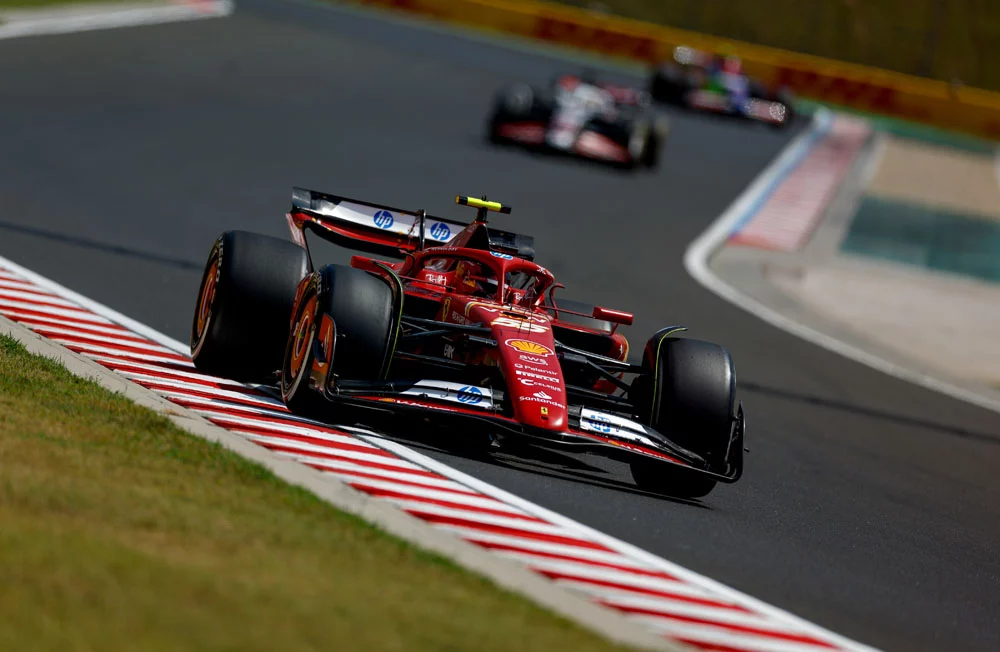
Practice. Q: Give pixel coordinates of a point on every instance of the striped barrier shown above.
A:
(669, 600)
(858, 87)
(788, 214)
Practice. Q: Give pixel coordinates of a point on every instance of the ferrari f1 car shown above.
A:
(581, 117)
(466, 331)
(700, 81)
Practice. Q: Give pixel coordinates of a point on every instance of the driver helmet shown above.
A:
(469, 278)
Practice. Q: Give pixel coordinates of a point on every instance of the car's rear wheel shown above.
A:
(345, 326)
(244, 305)
(687, 393)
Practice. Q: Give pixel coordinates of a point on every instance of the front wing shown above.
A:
(590, 430)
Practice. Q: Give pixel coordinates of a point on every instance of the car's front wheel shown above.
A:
(687, 393)
(345, 326)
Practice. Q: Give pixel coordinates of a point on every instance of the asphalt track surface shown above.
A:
(869, 505)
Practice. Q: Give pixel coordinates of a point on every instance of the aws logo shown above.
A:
(532, 348)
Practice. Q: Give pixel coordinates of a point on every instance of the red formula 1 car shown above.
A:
(466, 330)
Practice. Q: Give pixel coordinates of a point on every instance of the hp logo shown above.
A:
(384, 220)
(470, 395)
(440, 231)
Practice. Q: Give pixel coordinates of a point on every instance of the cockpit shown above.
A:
(522, 284)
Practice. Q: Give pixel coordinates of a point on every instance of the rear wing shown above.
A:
(385, 230)
(364, 225)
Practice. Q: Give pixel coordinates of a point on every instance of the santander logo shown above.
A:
(542, 394)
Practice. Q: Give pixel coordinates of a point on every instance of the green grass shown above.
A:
(118, 531)
(941, 39)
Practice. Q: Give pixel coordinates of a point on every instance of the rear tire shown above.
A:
(244, 305)
(688, 394)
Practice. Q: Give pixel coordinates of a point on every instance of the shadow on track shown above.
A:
(510, 455)
(862, 410)
(85, 243)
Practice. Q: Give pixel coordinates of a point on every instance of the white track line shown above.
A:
(84, 19)
(697, 255)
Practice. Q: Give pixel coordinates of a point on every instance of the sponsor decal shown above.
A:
(528, 382)
(532, 359)
(437, 390)
(527, 346)
(537, 370)
(470, 395)
(519, 324)
(613, 426)
(529, 374)
(541, 394)
(602, 424)
(439, 279)
(383, 219)
(547, 401)
(449, 351)
(497, 254)
(440, 231)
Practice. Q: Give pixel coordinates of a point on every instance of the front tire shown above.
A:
(345, 326)
(687, 393)
(244, 304)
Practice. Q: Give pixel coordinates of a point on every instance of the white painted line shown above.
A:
(699, 252)
(83, 19)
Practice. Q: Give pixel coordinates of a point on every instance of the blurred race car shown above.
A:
(716, 83)
(466, 331)
(582, 117)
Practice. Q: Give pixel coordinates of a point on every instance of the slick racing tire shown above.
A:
(651, 152)
(688, 394)
(345, 325)
(669, 84)
(240, 323)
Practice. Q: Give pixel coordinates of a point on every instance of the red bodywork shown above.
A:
(521, 319)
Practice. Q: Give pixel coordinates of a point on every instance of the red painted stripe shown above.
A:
(171, 373)
(656, 593)
(441, 519)
(110, 360)
(409, 483)
(331, 446)
(29, 317)
(160, 387)
(51, 331)
(21, 314)
(730, 627)
(578, 560)
(278, 421)
(77, 345)
(61, 306)
(388, 493)
(116, 363)
(69, 340)
(332, 455)
(27, 287)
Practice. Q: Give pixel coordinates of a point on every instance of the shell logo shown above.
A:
(534, 348)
